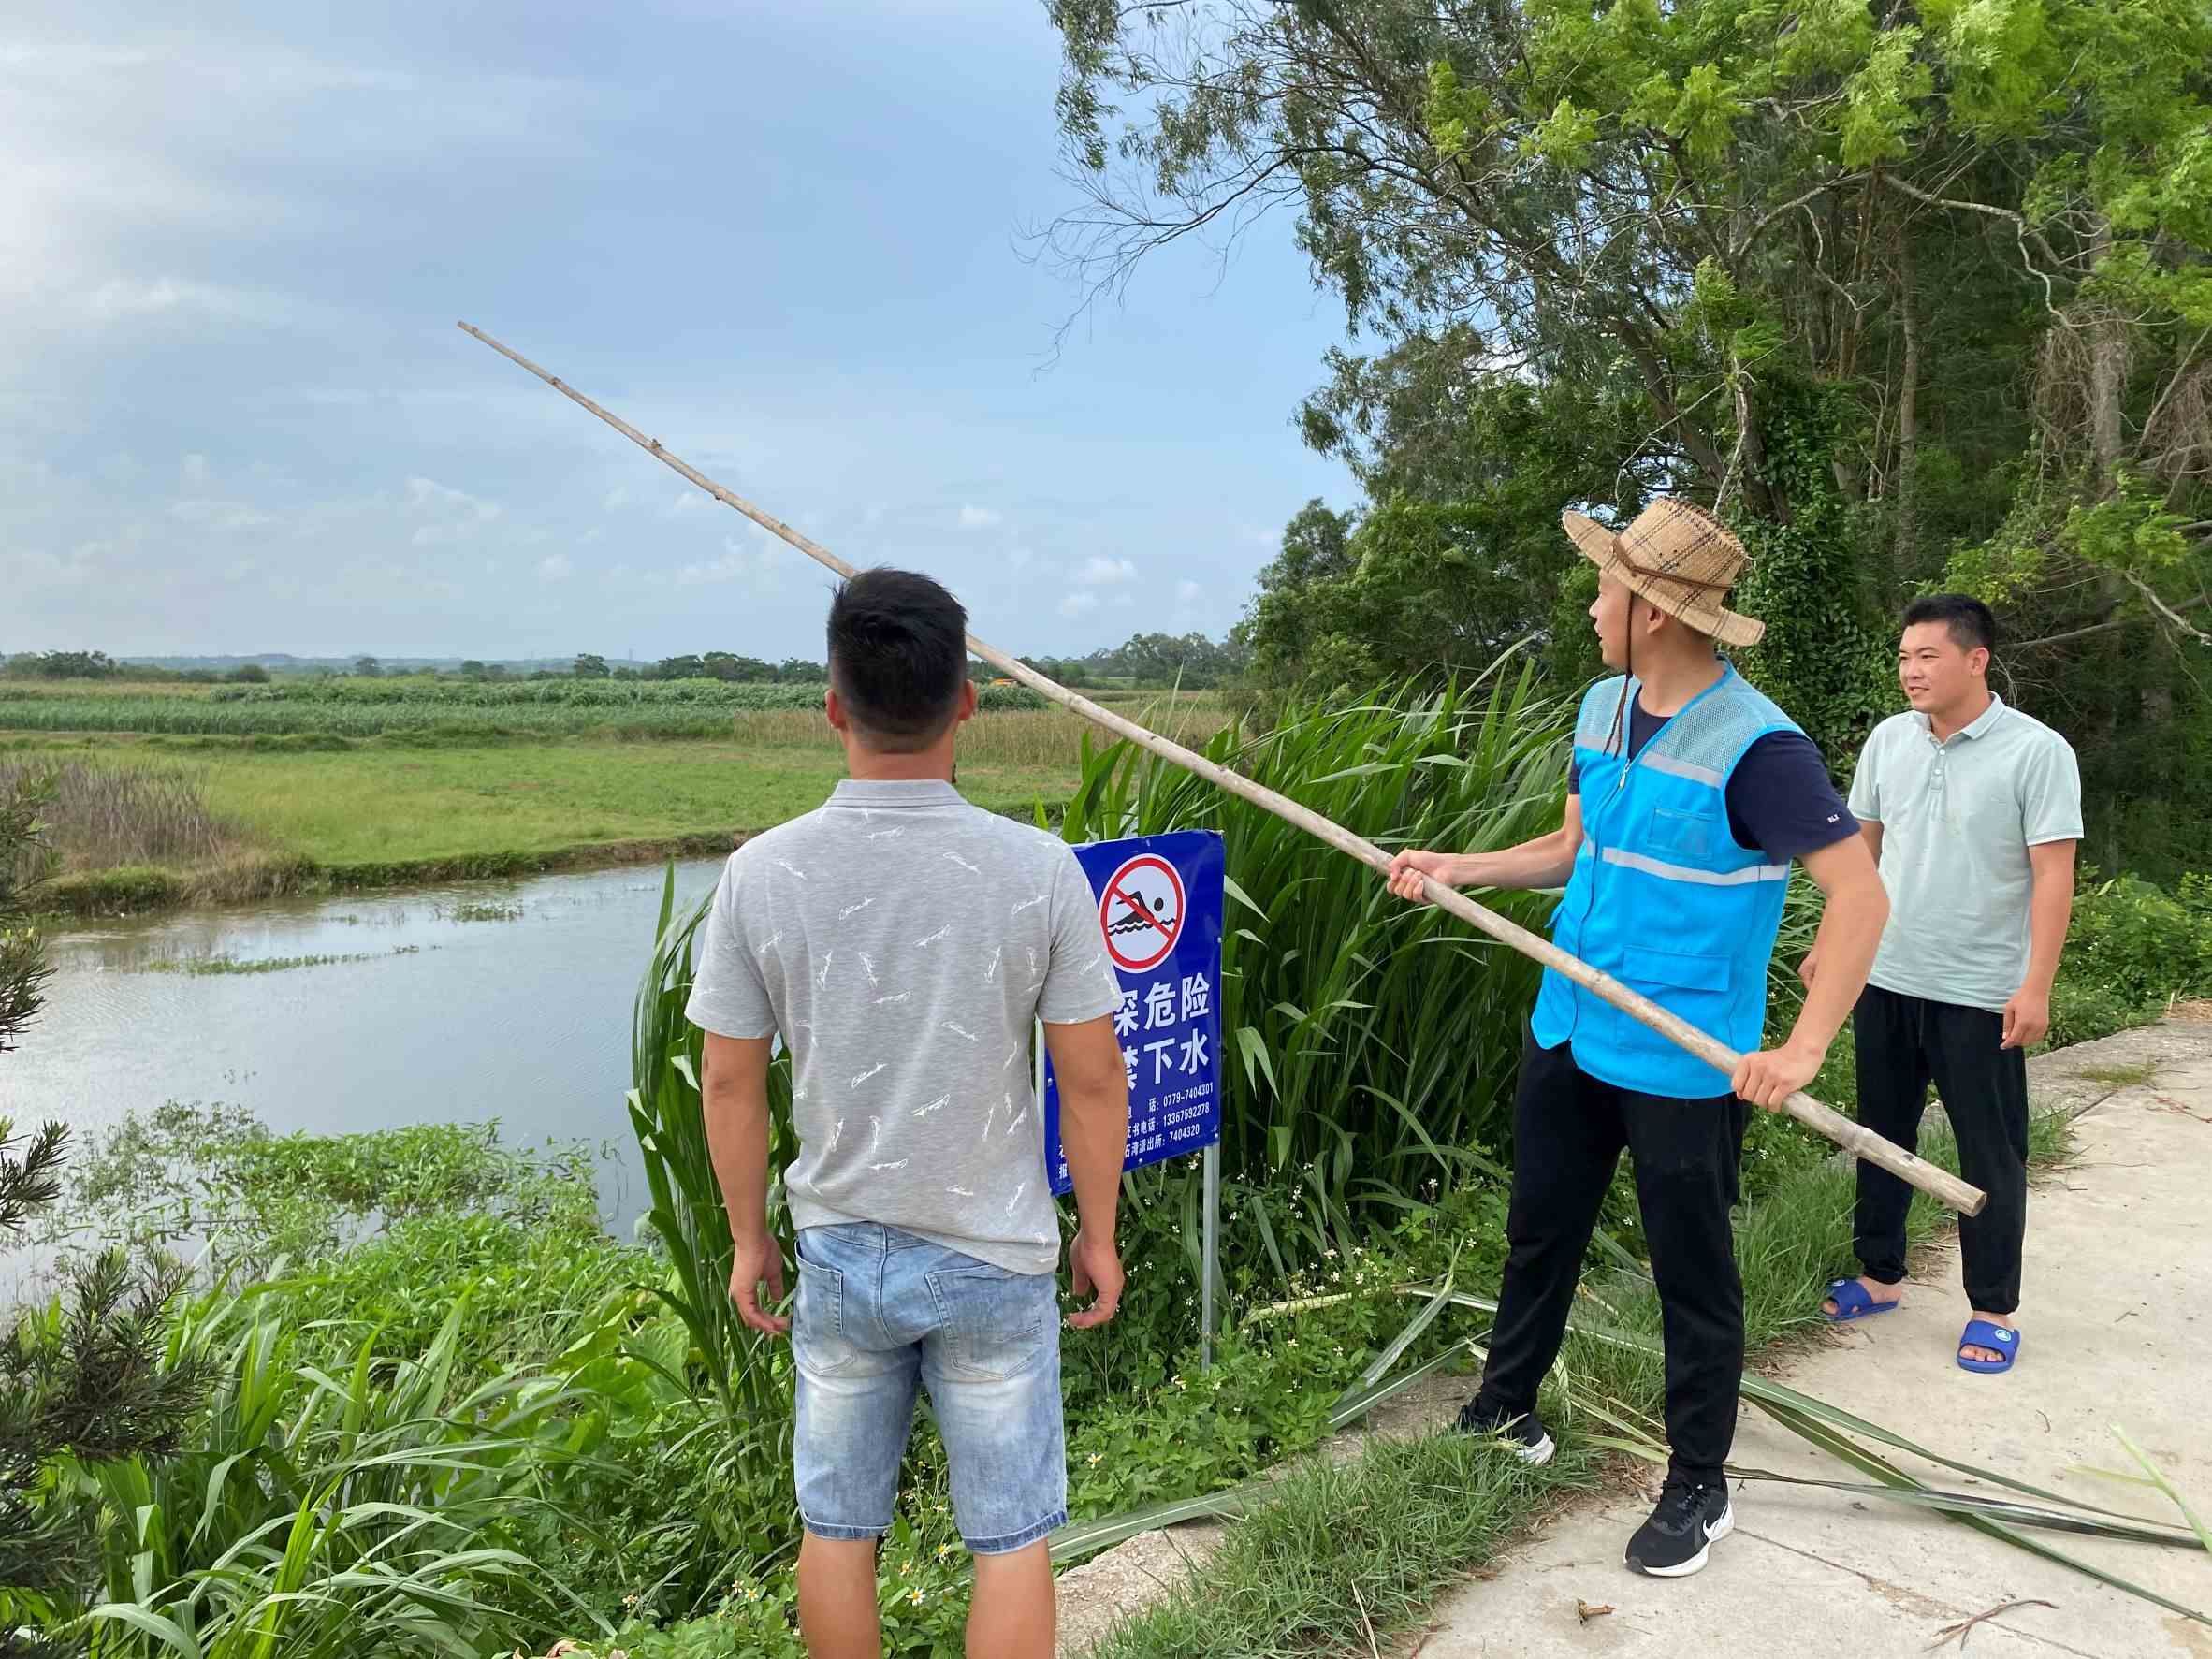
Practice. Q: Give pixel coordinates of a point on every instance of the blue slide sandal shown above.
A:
(1981, 1333)
(1853, 1303)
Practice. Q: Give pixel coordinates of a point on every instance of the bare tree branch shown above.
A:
(2166, 610)
(2018, 221)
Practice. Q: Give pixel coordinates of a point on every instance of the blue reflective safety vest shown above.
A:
(1662, 897)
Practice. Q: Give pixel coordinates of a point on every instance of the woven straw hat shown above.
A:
(1678, 559)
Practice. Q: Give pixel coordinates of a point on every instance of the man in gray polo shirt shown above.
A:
(1973, 811)
(900, 942)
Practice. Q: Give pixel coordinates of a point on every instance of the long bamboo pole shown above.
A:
(1854, 1138)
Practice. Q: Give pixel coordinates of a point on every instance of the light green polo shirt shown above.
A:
(1957, 819)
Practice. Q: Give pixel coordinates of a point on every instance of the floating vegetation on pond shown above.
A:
(205, 965)
(480, 911)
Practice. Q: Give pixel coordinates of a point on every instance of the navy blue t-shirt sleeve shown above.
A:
(1782, 801)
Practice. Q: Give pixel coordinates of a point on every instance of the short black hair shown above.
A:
(1970, 623)
(897, 656)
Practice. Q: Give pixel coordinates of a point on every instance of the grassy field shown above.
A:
(195, 794)
(357, 708)
(374, 815)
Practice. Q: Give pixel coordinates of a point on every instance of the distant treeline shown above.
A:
(1147, 661)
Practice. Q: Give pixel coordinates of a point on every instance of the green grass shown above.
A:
(377, 805)
(387, 813)
(2122, 1076)
(1348, 1553)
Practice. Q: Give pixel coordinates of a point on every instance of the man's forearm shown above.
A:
(737, 1139)
(1095, 1135)
(2050, 912)
(1547, 861)
(1850, 934)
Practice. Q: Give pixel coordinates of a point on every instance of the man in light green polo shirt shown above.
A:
(1973, 811)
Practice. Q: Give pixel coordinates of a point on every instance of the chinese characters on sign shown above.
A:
(1159, 912)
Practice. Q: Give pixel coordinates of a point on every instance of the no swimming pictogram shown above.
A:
(1141, 912)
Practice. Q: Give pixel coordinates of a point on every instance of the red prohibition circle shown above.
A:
(1141, 912)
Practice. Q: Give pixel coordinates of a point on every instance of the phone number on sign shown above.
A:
(1193, 1097)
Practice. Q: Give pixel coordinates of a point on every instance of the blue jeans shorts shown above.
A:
(880, 1310)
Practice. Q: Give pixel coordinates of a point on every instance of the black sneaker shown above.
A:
(1521, 1432)
(1690, 1518)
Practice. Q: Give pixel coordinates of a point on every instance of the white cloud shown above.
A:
(194, 472)
(554, 567)
(689, 501)
(454, 516)
(1187, 592)
(220, 514)
(427, 495)
(1101, 571)
(126, 299)
(755, 566)
(617, 497)
(981, 518)
(1020, 559)
(1078, 604)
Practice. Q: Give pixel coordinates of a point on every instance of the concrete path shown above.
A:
(2116, 1331)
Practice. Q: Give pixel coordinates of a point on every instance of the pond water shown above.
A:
(465, 1003)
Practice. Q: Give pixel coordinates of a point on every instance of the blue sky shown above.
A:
(235, 415)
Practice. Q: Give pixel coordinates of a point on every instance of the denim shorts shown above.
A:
(880, 1310)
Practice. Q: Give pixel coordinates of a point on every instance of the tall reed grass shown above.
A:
(750, 1374)
(1044, 737)
(320, 1514)
(100, 817)
(1370, 1045)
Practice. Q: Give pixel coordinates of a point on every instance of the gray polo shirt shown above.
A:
(901, 941)
(1957, 818)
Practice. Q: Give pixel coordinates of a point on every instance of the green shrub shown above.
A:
(2138, 944)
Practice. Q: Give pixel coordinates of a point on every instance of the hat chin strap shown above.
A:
(1622, 731)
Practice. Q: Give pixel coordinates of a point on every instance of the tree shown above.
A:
(248, 673)
(1912, 297)
(727, 666)
(23, 862)
(83, 1380)
(64, 666)
(368, 667)
(678, 668)
(589, 665)
(472, 669)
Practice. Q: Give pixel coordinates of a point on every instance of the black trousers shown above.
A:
(1569, 1130)
(1903, 1042)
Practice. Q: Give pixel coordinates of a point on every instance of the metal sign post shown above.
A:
(1161, 902)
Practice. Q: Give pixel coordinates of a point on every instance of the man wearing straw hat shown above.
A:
(1690, 794)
